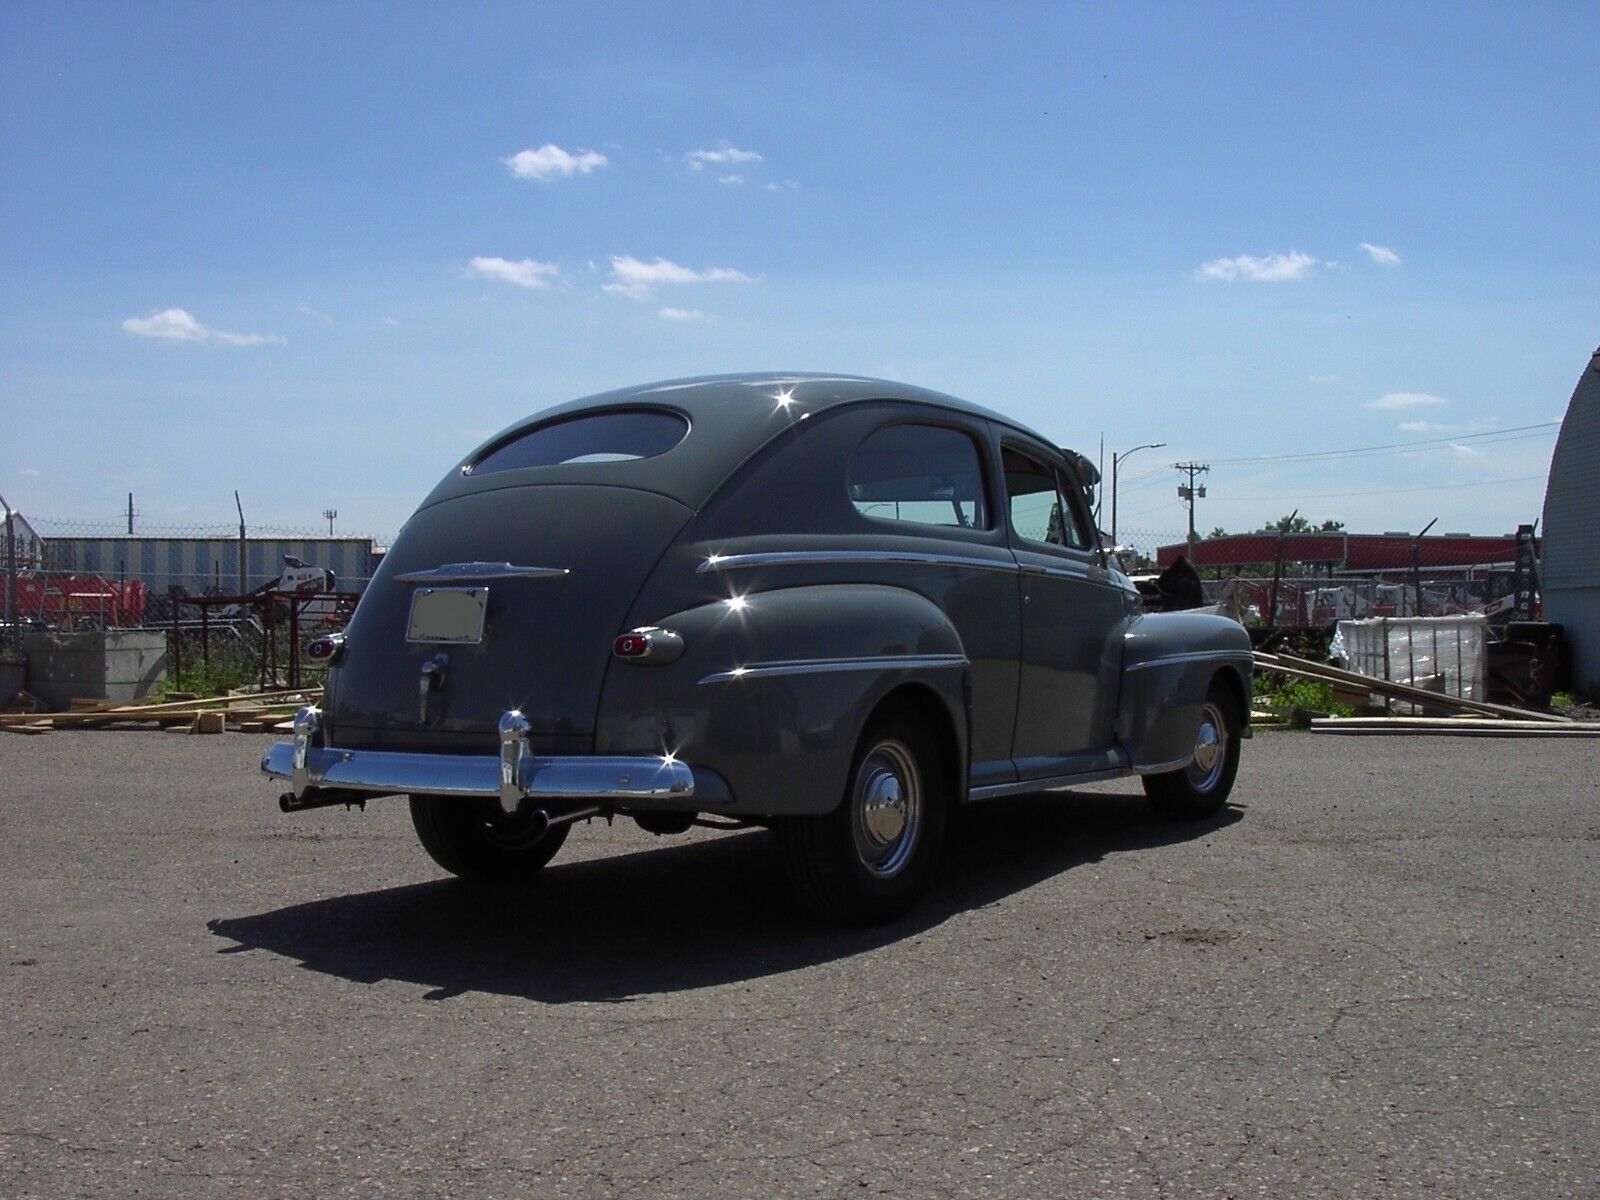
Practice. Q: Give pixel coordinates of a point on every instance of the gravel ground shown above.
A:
(1375, 975)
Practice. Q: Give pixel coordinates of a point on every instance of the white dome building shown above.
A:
(1570, 565)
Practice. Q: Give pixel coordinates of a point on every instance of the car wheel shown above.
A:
(873, 856)
(1201, 788)
(477, 839)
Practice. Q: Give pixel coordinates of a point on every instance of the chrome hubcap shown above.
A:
(1210, 749)
(886, 807)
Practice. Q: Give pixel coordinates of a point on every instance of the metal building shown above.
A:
(1570, 566)
(198, 563)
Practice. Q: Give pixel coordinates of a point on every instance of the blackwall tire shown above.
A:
(479, 840)
(873, 857)
(1200, 789)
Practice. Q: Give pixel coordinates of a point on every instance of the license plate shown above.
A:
(447, 614)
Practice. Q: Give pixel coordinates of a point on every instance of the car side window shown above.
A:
(926, 474)
(1039, 510)
(1074, 528)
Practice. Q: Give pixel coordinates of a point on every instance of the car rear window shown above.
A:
(589, 438)
(922, 473)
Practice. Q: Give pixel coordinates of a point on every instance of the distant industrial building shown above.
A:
(1363, 553)
(1570, 566)
(199, 564)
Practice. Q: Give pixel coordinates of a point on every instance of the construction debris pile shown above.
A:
(242, 712)
(1466, 716)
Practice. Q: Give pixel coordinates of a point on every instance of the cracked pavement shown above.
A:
(1375, 975)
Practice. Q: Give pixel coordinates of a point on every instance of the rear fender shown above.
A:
(773, 689)
(1168, 664)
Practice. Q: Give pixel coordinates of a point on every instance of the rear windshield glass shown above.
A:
(591, 438)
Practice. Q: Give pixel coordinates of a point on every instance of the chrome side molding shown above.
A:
(812, 558)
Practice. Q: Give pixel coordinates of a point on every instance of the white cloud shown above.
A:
(1425, 427)
(723, 156)
(552, 162)
(1381, 255)
(638, 279)
(682, 314)
(317, 313)
(390, 322)
(730, 178)
(177, 325)
(523, 272)
(1274, 268)
(1393, 400)
(788, 185)
(1461, 451)
(31, 472)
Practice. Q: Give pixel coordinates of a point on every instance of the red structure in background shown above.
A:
(63, 600)
(1365, 552)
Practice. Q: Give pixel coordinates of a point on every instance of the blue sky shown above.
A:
(317, 252)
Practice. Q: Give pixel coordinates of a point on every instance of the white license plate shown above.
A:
(447, 614)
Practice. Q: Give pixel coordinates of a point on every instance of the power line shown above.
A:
(1489, 436)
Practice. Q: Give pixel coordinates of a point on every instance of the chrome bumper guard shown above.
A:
(515, 774)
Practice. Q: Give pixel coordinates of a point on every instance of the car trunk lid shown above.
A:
(508, 598)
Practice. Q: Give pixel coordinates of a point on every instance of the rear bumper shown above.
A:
(512, 776)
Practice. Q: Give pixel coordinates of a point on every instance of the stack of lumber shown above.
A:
(1472, 718)
(252, 712)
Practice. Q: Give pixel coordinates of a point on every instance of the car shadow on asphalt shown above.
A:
(682, 916)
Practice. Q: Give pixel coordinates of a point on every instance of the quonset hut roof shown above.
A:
(1570, 565)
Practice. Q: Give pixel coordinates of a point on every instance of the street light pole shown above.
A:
(1116, 462)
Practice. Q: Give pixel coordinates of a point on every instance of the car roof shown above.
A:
(732, 416)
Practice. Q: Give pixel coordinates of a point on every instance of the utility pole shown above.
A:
(1116, 462)
(240, 506)
(13, 634)
(328, 515)
(1416, 565)
(1191, 494)
(130, 514)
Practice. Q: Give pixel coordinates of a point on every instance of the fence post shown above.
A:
(205, 634)
(13, 633)
(177, 643)
(294, 644)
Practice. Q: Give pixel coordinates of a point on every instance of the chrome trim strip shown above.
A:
(822, 666)
(567, 778)
(477, 572)
(1162, 768)
(1087, 574)
(1239, 656)
(1055, 783)
(915, 558)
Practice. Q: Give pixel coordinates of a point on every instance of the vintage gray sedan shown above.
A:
(831, 605)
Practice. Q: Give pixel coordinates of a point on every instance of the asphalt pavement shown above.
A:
(1374, 975)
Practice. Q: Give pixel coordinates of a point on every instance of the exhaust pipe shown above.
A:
(323, 798)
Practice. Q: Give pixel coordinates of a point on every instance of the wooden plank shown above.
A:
(1512, 729)
(1462, 722)
(1306, 669)
(30, 730)
(153, 712)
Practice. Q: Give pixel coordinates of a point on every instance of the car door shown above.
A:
(1072, 619)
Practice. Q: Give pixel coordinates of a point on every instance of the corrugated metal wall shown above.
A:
(196, 564)
(1570, 564)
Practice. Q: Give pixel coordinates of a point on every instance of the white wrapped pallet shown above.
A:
(1422, 651)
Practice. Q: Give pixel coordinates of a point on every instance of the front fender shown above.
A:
(1169, 661)
(773, 689)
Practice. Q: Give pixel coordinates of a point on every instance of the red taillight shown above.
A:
(631, 645)
(648, 644)
(325, 648)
